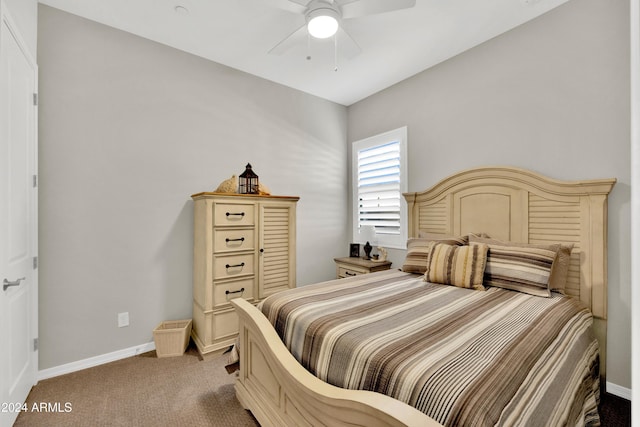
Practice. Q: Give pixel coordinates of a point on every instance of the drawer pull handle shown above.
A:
(241, 239)
(240, 291)
(236, 265)
(348, 273)
(234, 213)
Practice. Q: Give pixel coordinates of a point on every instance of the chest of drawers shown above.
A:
(244, 247)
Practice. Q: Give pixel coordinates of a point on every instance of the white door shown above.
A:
(18, 222)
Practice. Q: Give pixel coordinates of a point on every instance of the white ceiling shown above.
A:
(240, 33)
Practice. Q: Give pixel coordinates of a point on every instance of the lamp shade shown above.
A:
(322, 23)
(367, 233)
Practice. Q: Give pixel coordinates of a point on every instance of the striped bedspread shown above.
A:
(463, 357)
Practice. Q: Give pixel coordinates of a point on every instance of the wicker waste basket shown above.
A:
(172, 337)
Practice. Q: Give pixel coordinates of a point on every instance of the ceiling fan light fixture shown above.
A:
(322, 23)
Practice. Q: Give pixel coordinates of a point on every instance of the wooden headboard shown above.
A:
(522, 206)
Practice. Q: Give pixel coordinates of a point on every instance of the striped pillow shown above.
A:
(418, 250)
(522, 269)
(560, 267)
(445, 238)
(461, 266)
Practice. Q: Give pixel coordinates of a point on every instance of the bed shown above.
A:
(467, 354)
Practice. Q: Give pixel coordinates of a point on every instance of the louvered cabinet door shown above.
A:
(277, 253)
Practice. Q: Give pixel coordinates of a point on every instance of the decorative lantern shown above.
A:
(248, 181)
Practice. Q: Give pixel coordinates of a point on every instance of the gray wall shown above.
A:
(552, 96)
(129, 129)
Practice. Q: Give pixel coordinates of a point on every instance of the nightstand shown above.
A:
(352, 266)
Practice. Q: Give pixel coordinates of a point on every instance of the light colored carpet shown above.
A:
(141, 391)
(175, 391)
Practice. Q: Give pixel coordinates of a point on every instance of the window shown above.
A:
(379, 178)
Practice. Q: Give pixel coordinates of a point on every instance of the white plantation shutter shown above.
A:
(378, 176)
(379, 188)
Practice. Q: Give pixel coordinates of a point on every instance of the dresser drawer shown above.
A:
(349, 272)
(227, 214)
(225, 324)
(227, 267)
(223, 292)
(351, 266)
(233, 240)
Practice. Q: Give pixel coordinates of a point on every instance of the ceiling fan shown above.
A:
(324, 19)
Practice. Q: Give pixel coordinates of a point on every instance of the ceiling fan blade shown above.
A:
(356, 8)
(298, 36)
(294, 6)
(347, 46)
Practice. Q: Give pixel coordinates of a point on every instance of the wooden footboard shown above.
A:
(280, 392)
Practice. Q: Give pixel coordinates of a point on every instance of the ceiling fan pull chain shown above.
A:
(335, 52)
(308, 47)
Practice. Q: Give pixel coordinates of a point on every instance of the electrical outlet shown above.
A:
(123, 319)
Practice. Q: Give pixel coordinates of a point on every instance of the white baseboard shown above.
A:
(95, 361)
(619, 391)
